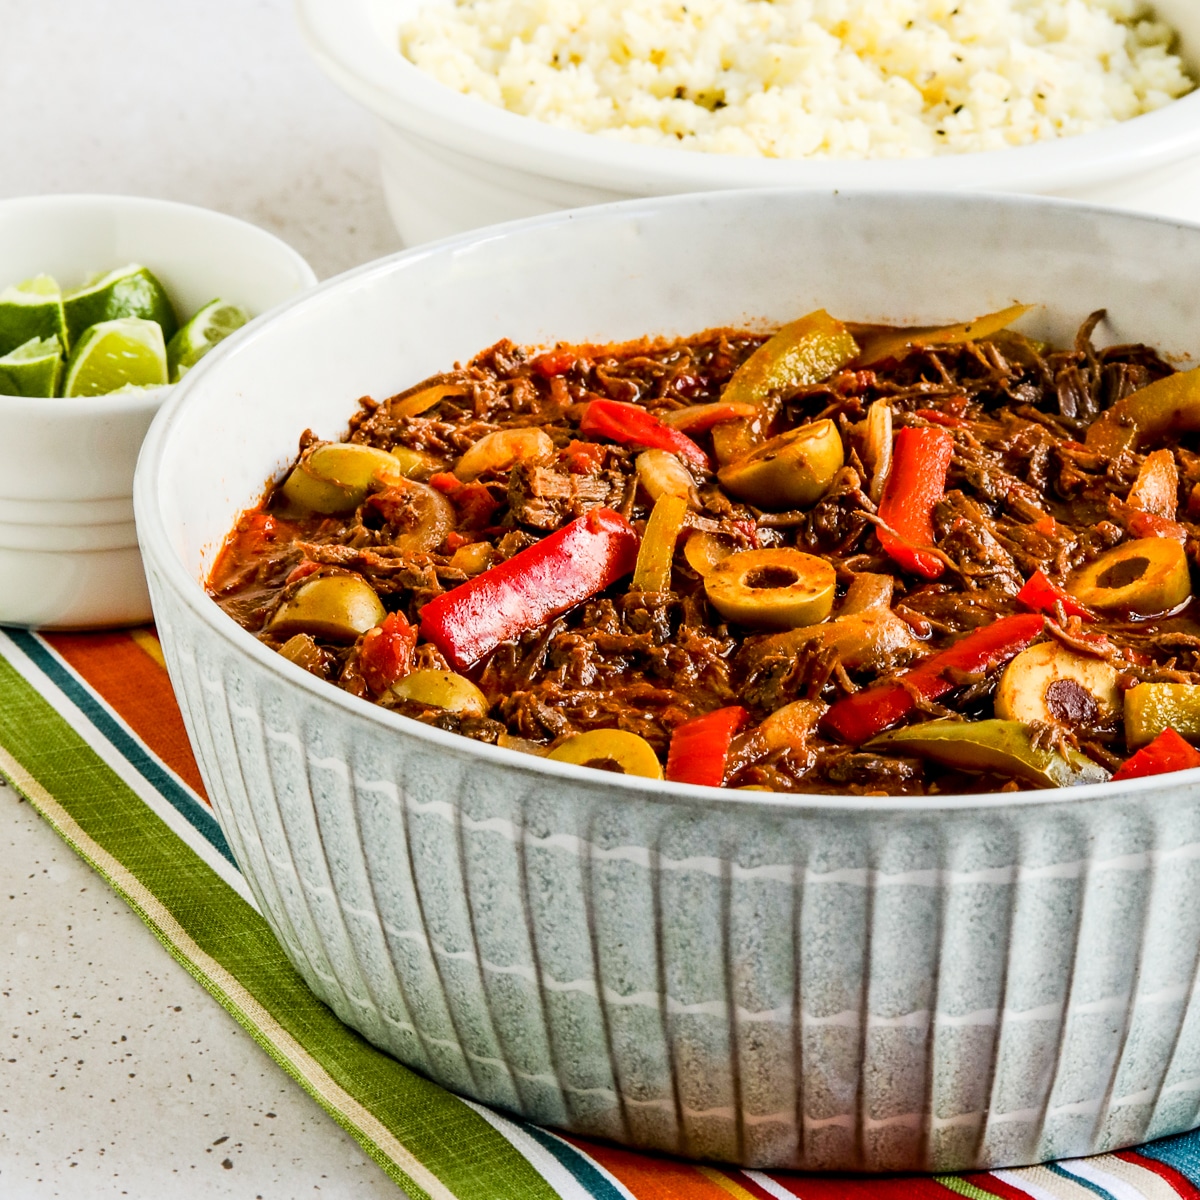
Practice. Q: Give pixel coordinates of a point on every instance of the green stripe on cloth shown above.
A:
(963, 1188)
(430, 1143)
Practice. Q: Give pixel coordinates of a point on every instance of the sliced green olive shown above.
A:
(1002, 747)
(662, 474)
(334, 477)
(772, 589)
(1151, 708)
(442, 689)
(1051, 684)
(415, 464)
(614, 750)
(704, 550)
(336, 607)
(502, 449)
(791, 470)
(473, 558)
(1147, 576)
(420, 516)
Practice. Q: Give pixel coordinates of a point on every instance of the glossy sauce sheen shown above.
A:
(1023, 493)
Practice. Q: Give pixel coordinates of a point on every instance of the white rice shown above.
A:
(807, 78)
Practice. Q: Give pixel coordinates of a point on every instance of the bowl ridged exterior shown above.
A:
(788, 988)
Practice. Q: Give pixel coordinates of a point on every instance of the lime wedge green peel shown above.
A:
(130, 291)
(111, 355)
(214, 322)
(32, 369)
(33, 309)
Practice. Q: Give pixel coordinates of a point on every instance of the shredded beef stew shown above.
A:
(843, 558)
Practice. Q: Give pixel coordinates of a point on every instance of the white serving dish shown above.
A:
(68, 547)
(816, 982)
(451, 162)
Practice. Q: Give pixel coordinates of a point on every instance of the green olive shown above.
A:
(420, 516)
(472, 558)
(614, 750)
(772, 589)
(1148, 576)
(334, 477)
(791, 470)
(442, 689)
(336, 607)
(1056, 686)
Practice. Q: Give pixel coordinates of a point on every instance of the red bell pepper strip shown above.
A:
(920, 460)
(1168, 752)
(1042, 594)
(527, 590)
(385, 652)
(862, 716)
(700, 747)
(634, 426)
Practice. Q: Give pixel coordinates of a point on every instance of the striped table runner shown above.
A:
(90, 734)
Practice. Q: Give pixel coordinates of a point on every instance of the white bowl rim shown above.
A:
(145, 399)
(347, 46)
(158, 550)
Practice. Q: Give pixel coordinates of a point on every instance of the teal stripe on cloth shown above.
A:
(1181, 1152)
(451, 1142)
(584, 1171)
(167, 786)
(1083, 1182)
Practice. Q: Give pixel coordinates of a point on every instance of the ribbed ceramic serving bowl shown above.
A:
(809, 981)
(68, 547)
(452, 162)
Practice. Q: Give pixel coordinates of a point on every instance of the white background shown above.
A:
(119, 1076)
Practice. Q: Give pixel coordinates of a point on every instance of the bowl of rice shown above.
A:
(490, 110)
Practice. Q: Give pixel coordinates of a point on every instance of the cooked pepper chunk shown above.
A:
(700, 747)
(920, 460)
(1168, 752)
(1041, 594)
(634, 426)
(861, 716)
(652, 572)
(1002, 747)
(527, 590)
(1151, 708)
(1170, 405)
(895, 343)
(804, 352)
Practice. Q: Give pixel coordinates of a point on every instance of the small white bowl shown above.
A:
(68, 549)
(451, 162)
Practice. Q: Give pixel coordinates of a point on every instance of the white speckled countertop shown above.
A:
(120, 1076)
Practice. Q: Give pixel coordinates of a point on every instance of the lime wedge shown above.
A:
(130, 291)
(216, 320)
(33, 309)
(114, 354)
(32, 369)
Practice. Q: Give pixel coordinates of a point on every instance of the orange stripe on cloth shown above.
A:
(653, 1178)
(126, 674)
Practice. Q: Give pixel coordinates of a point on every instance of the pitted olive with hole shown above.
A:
(337, 607)
(334, 477)
(442, 689)
(1054, 685)
(614, 750)
(772, 589)
(790, 471)
(1147, 577)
